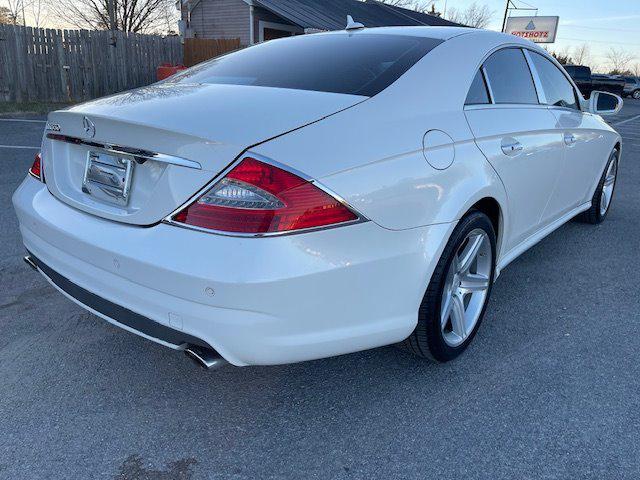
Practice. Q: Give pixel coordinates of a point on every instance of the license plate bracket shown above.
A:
(107, 177)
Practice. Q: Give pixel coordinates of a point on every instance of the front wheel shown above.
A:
(636, 94)
(601, 201)
(457, 296)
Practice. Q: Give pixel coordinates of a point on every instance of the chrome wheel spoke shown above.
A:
(458, 326)
(474, 282)
(610, 180)
(447, 305)
(466, 257)
(605, 199)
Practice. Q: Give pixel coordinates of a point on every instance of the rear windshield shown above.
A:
(358, 64)
(578, 72)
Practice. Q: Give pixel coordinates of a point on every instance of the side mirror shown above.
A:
(605, 103)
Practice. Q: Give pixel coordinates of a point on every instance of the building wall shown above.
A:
(262, 15)
(221, 19)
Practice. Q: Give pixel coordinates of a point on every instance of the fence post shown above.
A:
(5, 92)
(65, 88)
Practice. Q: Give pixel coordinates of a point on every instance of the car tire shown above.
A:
(431, 338)
(601, 200)
(636, 94)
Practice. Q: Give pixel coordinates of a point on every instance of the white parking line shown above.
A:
(21, 120)
(22, 147)
(627, 120)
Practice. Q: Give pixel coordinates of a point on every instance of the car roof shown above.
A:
(438, 33)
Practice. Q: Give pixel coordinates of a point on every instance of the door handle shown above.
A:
(569, 138)
(511, 147)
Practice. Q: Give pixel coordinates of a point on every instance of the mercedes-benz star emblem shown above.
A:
(89, 127)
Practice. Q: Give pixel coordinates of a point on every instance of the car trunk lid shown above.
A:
(137, 156)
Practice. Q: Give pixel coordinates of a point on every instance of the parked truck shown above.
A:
(588, 82)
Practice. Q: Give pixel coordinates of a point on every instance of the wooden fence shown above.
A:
(198, 50)
(74, 65)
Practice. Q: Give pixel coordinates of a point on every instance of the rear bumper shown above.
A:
(256, 301)
(125, 318)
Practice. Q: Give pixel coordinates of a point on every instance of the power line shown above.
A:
(397, 11)
(601, 28)
(527, 4)
(509, 7)
(598, 41)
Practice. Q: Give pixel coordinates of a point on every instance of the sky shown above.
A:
(600, 24)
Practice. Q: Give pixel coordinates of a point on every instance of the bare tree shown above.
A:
(619, 60)
(563, 56)
(582, 54)
(417, 5)
(635, 70)
(15, 10)
(138, 16)
(38, 12)
(478, 16)
(5, 15)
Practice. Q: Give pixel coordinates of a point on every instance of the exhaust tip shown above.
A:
(29, 261)
(204, 357)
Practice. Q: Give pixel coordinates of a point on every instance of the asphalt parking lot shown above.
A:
(548, 390)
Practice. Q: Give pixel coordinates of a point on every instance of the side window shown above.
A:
(510, 78)
(557, 88)
(478, 94)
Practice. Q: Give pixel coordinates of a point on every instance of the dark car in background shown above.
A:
(588, 82)
(632, 87)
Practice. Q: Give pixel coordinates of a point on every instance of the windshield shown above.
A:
(357, 64)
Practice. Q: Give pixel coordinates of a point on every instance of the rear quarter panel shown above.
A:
(372, 154)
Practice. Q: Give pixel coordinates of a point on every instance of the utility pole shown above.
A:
(512, 6)
(506, 14)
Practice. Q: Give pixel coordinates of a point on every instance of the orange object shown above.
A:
(165, 70)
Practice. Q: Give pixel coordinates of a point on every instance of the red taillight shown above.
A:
(257, 198)
(36, 168)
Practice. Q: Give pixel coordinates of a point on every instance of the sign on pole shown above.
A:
(536, 29)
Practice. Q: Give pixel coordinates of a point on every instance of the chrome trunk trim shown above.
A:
(139, 155)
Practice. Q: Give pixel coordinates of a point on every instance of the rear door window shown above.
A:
(478, 94)
(357, 64)
(509, 77)
(557, 89)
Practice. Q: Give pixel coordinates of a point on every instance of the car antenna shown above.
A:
(352, 24)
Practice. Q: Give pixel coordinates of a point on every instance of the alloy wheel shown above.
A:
(609, 185)
(466, 288)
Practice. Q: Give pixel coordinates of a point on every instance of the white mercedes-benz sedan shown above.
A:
(317, 195)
